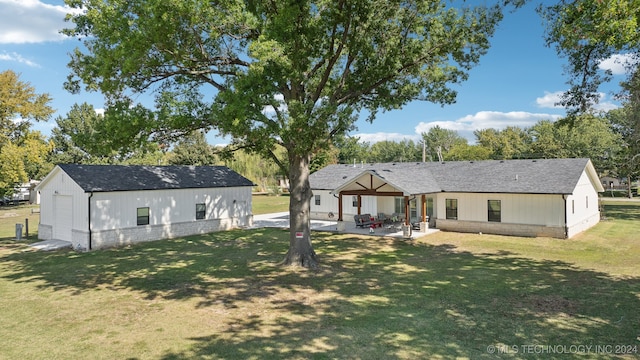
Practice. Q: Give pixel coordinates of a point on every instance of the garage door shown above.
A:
(63, 218)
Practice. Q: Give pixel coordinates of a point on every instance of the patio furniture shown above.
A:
(363, 220)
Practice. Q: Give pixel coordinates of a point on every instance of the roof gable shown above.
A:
(105, 178)
(540, 176)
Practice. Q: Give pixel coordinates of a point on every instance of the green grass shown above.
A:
(224, 296)
(265, 204)
(12, 215)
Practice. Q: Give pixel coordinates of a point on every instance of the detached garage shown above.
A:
(99, 206)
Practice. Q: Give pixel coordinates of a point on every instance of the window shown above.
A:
(398, 205)
(317, 198)
(495, 210)
(143, 216)
(354, 201)
(573, 206)
(201, 210)
(452, 209)
(413, 209)
(587, 202)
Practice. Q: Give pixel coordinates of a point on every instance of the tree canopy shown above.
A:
(267, 73)
(22, 151)
(586, 32)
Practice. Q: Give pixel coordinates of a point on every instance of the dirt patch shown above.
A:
(549, 304)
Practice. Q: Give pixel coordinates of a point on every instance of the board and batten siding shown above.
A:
(62, 191)
(114, 214)
(329, 204)
(521, 214)
(582, 207)
(172, 213)
(515, 208)
(118, 209)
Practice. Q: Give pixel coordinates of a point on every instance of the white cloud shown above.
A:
(618, 63)
(17, 58)
(488, 119)
(604, 104)
(31, 21)
(550, 99)
(383, 136)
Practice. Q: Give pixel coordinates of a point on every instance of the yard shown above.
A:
(223, 296)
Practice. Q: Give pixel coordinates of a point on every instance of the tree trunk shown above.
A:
(300, 249)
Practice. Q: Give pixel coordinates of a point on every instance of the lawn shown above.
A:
(224, 296)
(265, 204)
(12, 215)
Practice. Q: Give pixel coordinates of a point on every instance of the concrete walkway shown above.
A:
(50, 245)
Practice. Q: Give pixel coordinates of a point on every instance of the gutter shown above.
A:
(89, 218)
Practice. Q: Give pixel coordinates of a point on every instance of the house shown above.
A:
(544, 197)
(99, 206)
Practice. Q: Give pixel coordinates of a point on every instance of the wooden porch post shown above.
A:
(340, 207)
(424, 208)
(359, 204)
(406, 210)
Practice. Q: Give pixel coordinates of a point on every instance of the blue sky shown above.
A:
(516, 84)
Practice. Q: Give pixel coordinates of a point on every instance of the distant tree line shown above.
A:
(83, 136)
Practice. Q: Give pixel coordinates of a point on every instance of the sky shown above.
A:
(517, 83)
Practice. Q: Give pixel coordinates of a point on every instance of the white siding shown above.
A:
(582, 206)
(115, 210)
(59, 185)
(328, 203)
(515, 208)
(114, 214)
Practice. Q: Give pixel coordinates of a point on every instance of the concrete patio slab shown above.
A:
(281, 220)
(50, 245)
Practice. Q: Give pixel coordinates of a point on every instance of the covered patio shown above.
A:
(281, 220)
(373, 185)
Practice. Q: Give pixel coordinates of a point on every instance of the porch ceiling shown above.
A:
(370, 183)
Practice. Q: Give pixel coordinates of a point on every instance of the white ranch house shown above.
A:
(545, 197)
(99, 206)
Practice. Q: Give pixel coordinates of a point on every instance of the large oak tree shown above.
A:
(290, 74)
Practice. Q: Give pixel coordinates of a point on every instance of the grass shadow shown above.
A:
(622, 211)
(373, 298)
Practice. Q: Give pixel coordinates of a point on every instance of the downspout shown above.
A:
(89, 217)
(566, 227)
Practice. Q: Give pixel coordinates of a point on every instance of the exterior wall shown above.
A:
(370, 205)
(582, 207)
(521, 214)
(127, 236)
(525, 214)
(58, 186)
(531, 209)
(172, 213)
(329, 203)
(523, 230)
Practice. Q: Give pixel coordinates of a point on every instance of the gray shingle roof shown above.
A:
(540, 176)
(104, 178)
